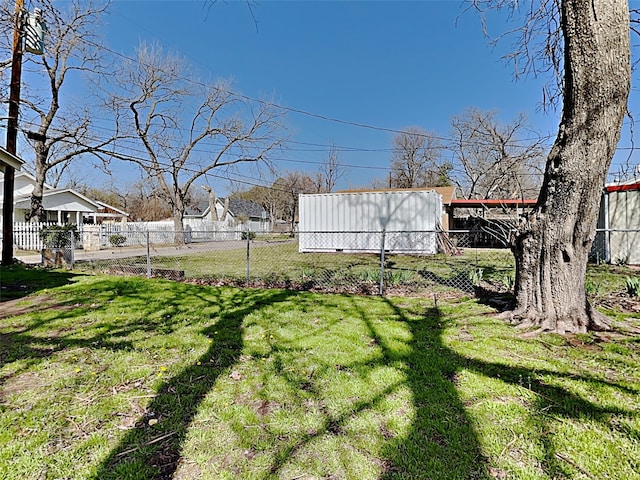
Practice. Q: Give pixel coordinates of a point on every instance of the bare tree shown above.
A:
(330, 171)
(177, 131)
(295, 183)
(551, 246)
(212, 202)
(280, 199)
(58, 131)
(417, 160)
(144, 201)
(494, 160)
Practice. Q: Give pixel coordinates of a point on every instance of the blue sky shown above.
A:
(384, 64)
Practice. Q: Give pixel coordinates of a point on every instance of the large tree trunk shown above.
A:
(552, 247)
(177, 209)
(37, 213)
(178, 228)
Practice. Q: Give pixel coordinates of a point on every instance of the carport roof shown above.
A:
(492, 203)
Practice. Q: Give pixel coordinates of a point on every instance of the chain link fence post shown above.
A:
(248, 234)
(72, 245)
(148, 254)
(382, 260)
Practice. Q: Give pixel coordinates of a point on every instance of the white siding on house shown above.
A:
(66, 202)
(355, 220)
(23, 186)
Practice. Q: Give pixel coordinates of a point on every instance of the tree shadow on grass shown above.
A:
(68, 324)
(443, 444)
(53, 326)
(157, 439)
(18, 281)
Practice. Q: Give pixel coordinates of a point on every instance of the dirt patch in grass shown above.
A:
(39, 303)
(12, 385)
(187, 471)
(619, 302)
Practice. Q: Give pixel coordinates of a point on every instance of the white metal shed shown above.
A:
(619, 224)
(355, 221)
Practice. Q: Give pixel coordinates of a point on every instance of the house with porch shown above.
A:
(61, 205)
(13, 163)
(107, 214)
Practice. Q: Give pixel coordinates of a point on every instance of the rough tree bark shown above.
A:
(552, 245)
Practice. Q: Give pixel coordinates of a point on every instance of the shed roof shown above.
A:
(447, 193)
(623, 187)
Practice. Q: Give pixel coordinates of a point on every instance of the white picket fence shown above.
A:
(26, 236)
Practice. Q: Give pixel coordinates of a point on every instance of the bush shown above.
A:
(251, 235)
(117, 240)
(59, 236)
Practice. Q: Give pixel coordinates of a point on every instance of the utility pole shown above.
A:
(12, 135)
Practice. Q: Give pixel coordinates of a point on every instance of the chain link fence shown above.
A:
(616, 246)
(384, 262)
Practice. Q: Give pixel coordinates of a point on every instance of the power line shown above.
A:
(293, 109)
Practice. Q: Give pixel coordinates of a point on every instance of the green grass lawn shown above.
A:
(128, 378)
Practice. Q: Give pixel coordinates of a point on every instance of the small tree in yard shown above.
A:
(182, 129)
(551, 246)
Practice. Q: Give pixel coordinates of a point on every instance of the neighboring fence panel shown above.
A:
(26, 235)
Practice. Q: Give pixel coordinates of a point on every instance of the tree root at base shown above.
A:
(536, 322)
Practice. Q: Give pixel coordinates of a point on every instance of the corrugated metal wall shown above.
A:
(349, 216)
(624, 214)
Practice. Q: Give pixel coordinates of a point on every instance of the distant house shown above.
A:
(488, 221)
(60, 205)
(618, 233)
(240, 211)
(109, 214)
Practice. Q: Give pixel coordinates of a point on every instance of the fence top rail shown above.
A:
(393, 231)
(618, 230)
